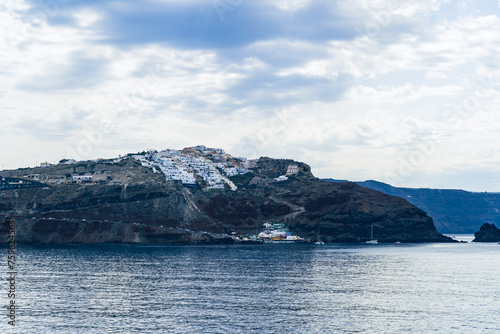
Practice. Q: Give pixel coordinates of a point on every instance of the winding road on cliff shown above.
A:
(296, 210)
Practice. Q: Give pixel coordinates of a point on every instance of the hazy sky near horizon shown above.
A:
(403, 92)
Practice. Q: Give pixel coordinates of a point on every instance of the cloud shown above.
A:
(399, 94)
(199, 24)
(79, 72)
(354, 88)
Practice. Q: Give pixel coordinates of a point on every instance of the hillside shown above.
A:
(150, 196)
(453, 211)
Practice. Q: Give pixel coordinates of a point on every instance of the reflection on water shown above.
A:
(439, 288)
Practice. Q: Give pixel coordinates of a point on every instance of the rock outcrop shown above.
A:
(487, 233)
(453, 211)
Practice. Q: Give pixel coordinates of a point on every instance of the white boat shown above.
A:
(319, 242)
(372, 241)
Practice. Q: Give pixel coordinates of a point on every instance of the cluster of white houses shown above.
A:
(192, 164)
(209, 168)
(104, 177)
(9, 183)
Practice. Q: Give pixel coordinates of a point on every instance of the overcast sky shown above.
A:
(404, 92)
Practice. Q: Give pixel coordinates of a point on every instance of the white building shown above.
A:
(82, 177)
(232, 171)
(292, 169)
(281, 178)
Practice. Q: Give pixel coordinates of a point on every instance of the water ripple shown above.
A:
(259, 289)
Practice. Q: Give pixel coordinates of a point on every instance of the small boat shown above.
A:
(319, 242)
(372, 241)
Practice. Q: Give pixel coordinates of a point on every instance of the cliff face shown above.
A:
(143, 207)
(347, 212)
(56, 231)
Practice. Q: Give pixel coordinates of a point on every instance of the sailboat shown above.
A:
(319, 242)
(371, 241)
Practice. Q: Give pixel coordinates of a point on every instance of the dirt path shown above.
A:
(296, 210)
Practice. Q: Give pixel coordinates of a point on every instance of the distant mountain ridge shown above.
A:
(453, 211)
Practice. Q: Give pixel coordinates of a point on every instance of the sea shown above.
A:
(269, 288)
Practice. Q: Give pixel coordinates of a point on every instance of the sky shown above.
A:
(403, 92)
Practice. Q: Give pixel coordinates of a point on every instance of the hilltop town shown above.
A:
(199, 167)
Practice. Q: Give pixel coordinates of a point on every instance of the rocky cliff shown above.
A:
(453, 211)
(65, 231)
(139, 205)
(487, 233)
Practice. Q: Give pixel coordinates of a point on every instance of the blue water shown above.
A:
(431, 288)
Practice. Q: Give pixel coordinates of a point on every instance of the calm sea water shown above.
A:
(431, 288)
